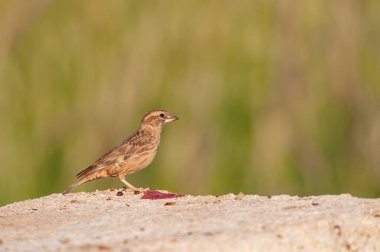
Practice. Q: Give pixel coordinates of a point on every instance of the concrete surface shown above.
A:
(102, 221)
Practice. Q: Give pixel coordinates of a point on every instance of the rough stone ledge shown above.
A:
(102, 221)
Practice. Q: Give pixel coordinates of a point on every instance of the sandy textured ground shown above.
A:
(102, 221)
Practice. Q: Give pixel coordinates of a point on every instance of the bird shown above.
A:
(133, 154)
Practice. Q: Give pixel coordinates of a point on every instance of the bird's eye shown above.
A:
(162, 115)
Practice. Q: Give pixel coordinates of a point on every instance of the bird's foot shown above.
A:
(140, 190)
(135, 190)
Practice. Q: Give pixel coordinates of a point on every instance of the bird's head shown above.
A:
(157, 118)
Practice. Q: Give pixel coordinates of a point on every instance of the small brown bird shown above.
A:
(133, 154)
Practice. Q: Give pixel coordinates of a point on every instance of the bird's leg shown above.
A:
(122, 179)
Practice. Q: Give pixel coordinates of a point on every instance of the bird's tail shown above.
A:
(73, 186)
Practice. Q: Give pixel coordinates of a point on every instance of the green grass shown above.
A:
(274, 97)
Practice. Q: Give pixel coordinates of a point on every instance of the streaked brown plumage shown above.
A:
(133, 154)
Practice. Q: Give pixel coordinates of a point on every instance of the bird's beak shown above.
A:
(170, 118)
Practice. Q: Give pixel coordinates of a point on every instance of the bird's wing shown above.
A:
(116, 154)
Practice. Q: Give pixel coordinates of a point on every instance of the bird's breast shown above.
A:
(141, 159)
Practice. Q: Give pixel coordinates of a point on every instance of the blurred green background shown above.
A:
(275, 97)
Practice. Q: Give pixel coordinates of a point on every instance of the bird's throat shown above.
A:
(151, 130)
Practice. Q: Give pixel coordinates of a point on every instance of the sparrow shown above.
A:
(133, 154)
